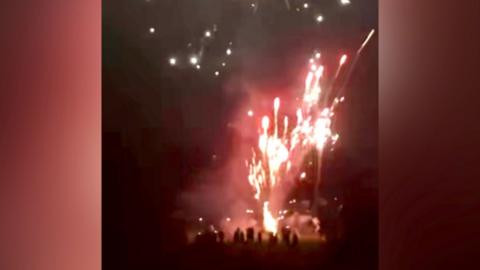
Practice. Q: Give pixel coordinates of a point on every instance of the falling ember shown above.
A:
(269, 222)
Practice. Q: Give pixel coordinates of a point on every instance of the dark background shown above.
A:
(50, 180)
(162, 124)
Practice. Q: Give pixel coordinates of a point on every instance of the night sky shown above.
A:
(165, 125)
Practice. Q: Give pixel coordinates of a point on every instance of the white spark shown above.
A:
(305, 5)
(200, 219)
(151, 30)
(311, 61)
(223, 64)
(343, 59)
(172, 61)
(229, 51)
(319, 18)
(317, 55)
(250, 113)
(197, 66)
(303, 175)
(217, 73)
(345, 2)
(208, 33)
(228, 219)
(193, 60)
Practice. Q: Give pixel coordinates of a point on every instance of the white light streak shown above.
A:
(229, 51)
(345, 2)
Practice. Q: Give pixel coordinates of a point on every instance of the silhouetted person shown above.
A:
(273, 240)
(286, 235)
(294, 240)
(250, 234)
(221, 237)
(198, 238)
(259, 237)
(242, 237)
(236, 236)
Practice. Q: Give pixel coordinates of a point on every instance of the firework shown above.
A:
(272, 159)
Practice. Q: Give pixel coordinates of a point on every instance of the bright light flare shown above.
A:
(269, 222)
(305, 5)
(208, 33)
(250, 113)
(229, 51)
(343, 59)
(151, 30)
(172, 61)
(276, 104)
(319, 18)
(303, 175)
(193, 60)
(217, 73)
(345, 2)
(265, 123)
